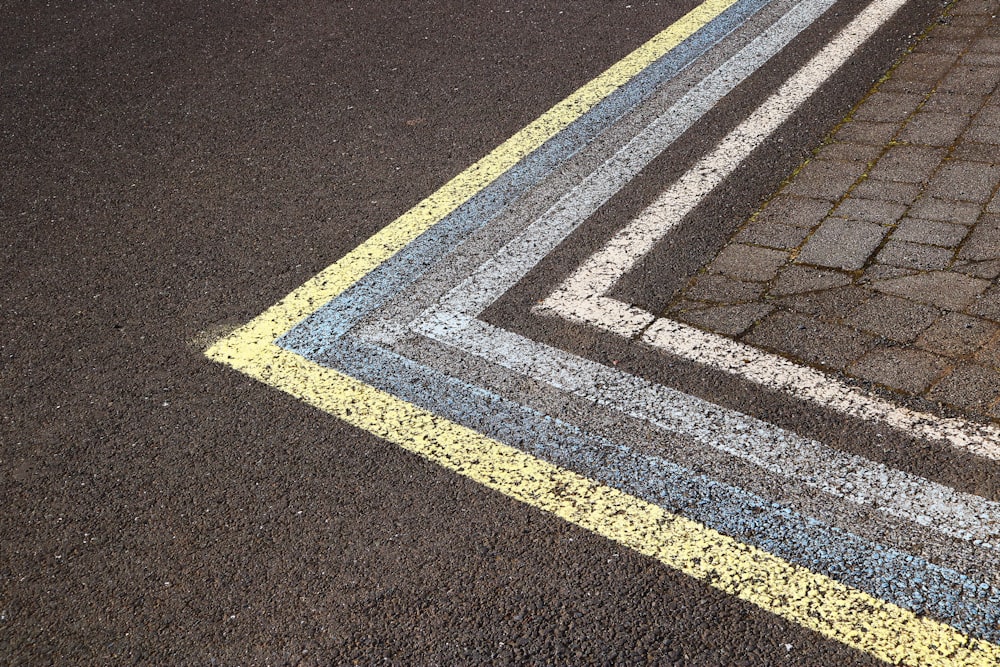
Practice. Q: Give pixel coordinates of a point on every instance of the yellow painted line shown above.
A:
(794, 593)
(812, 600)
(394, 237)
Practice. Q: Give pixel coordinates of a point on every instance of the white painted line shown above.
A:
(581, 298)
(854, 479)
(783, 375)
(529, 247)
(802, 461)
(526, 477)
(603, 269)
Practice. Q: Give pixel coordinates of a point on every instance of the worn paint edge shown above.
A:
(792, 592)
(795, 593)
(336, 278)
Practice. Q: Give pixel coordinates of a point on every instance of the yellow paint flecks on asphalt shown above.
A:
(391, 239)
(789, 591)
(797, 594)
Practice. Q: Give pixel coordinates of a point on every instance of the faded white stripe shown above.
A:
(581, 297)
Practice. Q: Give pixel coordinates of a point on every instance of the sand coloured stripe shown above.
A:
(794, 593)
(452, 321)
(336, 278)
(582, 297)
(842, 477)
(895, 576)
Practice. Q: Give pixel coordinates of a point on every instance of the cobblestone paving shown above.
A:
(880, 258)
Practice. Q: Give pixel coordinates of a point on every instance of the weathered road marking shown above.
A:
(582, 297)
(377, 313)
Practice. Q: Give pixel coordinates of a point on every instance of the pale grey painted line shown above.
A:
(843, 476)
(647, 439)
(925, 503)
(512, 261)
(582, 297)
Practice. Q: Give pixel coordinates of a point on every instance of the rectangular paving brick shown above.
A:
(797, 279)
(795, 211)
(944, 289)
(968, 386)
(986, 134)
(989, 270)
(887, 106)
(932, 232)
(902, 369)
(828, 345)
(746, 262)
(965, 181)
(842, 244)
(871, 210)
(925, 66)
(945, 210)
(940, 43)
(970, 79)
(825, 179)
(990, 115)
(727, 320)
(983, 134)
(989, 354)
(994, 205)
(954, 103)
(920, 87)
(909, 164)
(974, 152)
(981, 59)
(875, 133)
(850, 152)
(984, 241)
(965, 20)
(986, 45)
(975, 7)
(772, 234)
(957, 335)
(914, 255)
(988, 304)
(828, 304)
(720, 289)
(933, 129)
(883, 272)
(893, 317)
(873, 188)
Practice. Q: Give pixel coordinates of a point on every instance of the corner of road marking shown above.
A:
(792, 592)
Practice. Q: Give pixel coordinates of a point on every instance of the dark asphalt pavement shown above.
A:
(171, 169)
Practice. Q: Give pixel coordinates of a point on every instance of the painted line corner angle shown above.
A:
(320, 342)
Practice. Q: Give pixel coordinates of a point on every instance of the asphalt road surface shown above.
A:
(171, 170)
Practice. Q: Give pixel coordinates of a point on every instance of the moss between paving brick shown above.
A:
(878, 256)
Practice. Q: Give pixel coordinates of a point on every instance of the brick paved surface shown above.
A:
(880, 258)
